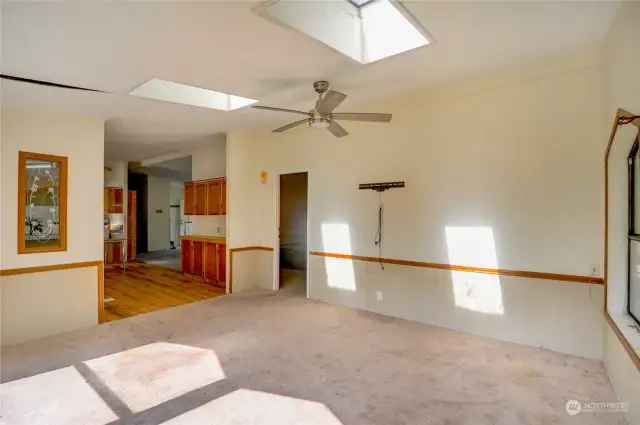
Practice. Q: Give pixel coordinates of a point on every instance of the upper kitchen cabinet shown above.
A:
(201, 198)
(113, 200)
(206, 197)
(213, 197)
(189, 198)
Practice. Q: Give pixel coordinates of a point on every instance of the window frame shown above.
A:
(22, 201)
(631, 234)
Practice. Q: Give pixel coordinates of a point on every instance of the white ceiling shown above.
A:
(116, 46)
(178, 169)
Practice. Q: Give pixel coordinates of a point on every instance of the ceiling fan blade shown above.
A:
(46, 83)
(293, 111)
(337, 130)
(355, 116)
(330, 101)
(289, 126)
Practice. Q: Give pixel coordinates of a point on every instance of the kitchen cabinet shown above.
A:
(113, 200)
(201, 198)
(189, 198)
(213, 197)
(206, 197)
(185, 256)
(223, 197)
(113, 252)
(205, 256)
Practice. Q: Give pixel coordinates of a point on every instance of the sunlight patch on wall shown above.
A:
(147, 376)
(257, 408)
(474, 246)
(56, 394)
(337, 240)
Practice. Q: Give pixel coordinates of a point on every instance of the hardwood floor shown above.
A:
(145, 288)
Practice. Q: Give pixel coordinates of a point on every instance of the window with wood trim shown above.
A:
(633, 243)
(42, 203)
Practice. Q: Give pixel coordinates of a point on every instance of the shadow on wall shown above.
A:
(474, 246)
(336, 239)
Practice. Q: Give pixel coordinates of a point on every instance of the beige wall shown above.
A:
(42, 304)
(622, 73)
(46, 303)
(515, 184)
(206, 163)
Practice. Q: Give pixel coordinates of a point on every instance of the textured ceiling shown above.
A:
(116, 46)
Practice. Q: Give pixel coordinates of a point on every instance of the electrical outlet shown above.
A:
(379, 295)
(218, 230)
(593, 271)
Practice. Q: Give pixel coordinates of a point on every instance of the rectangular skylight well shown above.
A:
(364, 30)
(169, 91)
(359, 3)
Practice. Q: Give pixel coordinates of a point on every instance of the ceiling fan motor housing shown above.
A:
(319, 122)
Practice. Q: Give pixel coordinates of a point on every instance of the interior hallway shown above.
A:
(276, 358)
(145, 288)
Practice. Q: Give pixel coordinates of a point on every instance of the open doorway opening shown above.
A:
(293, 226)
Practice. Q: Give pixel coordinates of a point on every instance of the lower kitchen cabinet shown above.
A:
(206, 257)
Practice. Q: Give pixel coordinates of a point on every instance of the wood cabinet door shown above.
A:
(105, 202)
(131, 249)
(201, 198)
(223, 197)
(211, 261)
(189, 199)
(213, 198)
(116, 250)
(118, 195)
(197, 251)
(185, 256)
(222, 262)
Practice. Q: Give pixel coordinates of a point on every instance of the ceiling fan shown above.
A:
(322, 116)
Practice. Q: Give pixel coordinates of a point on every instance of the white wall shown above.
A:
(176, 195)
(81, 139)
(209, 162)
(622, 73)
(503, 153)
(158, 196)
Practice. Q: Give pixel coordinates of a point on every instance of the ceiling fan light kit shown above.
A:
(322, 115)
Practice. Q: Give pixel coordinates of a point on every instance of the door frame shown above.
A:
(276, 248)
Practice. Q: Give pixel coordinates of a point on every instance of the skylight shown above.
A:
(168, 91)
(359, 3)
(364, 30)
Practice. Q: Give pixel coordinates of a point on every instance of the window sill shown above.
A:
(631, 335)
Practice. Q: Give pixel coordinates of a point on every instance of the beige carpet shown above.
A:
(279, 359)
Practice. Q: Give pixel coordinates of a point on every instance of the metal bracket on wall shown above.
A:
(380, 187)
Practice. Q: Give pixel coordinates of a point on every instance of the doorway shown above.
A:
(293, 251)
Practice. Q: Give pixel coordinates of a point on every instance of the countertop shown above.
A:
(113, 240)
(205, 238)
